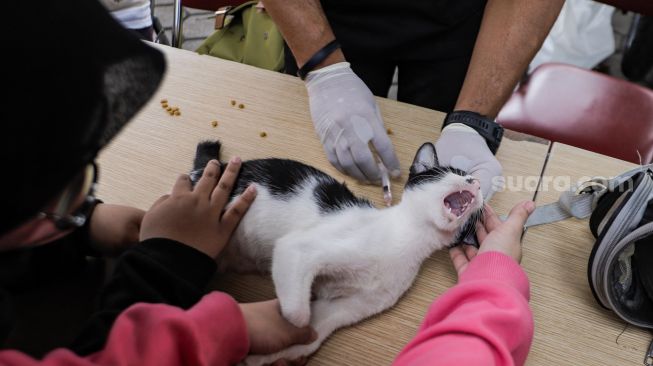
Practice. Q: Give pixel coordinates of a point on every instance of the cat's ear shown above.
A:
(425, 159)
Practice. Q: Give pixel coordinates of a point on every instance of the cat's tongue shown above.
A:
(458, 202)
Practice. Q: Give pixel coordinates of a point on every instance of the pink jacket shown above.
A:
(213, 332)
(484, 320)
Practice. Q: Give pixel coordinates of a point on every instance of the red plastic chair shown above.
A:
(586, 109)
(211, 5)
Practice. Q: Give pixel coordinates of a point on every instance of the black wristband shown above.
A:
(491, 131)
(318, 57)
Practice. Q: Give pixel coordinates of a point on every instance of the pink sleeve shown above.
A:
(483, 320)
(213, 332)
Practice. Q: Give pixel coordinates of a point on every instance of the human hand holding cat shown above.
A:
(270, 332)
(504, 237)
(495, 235)
(462, 147)
(195, 216)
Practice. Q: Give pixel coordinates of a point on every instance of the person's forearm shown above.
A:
(304, 27)
(213, 332)
(511, 33)
(483, 320)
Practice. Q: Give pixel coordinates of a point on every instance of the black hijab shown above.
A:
(72, 78)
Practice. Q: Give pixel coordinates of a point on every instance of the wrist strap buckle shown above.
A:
(491, 131)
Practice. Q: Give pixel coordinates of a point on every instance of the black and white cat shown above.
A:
(335, 259)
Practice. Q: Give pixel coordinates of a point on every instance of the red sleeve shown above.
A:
(212, 332)
(483, 320)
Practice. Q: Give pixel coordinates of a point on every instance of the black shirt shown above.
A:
(414, 28)
(39, 284)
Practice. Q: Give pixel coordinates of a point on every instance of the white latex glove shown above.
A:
(346, 117)
(461, 147)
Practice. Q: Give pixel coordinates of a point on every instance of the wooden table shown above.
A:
(571, 328)
(143, 161)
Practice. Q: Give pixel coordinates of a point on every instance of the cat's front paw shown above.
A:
(297, 316)
(255, 360)
(292, 353)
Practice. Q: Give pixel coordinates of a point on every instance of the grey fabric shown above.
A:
(569, 205)
(601, 275)
(611, 268)
(624, 226)
(580, 201)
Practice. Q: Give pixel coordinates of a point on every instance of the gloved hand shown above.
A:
(346, 117)
(461, 147)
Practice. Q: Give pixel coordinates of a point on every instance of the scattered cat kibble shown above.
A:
(214, 123)
(263, 134)
(173, 111)
(389, 131)
(233, 102)
(241, 106)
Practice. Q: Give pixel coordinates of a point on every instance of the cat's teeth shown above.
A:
(449, 209)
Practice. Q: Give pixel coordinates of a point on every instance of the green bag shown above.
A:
(248, 36)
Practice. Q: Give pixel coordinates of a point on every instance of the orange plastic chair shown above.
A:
(586, 109)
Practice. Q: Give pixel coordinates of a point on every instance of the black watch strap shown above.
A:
(318, 57)
(491, 131)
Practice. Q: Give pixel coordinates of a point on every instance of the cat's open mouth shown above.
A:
(457, 203)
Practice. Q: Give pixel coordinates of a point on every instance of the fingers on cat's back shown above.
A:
(237, 210)
(209, 178)
(222, 190)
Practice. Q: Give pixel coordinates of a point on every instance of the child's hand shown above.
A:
(195, 216)
(504, 237)
(113, 228)
(269, 331)
(495, 235)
